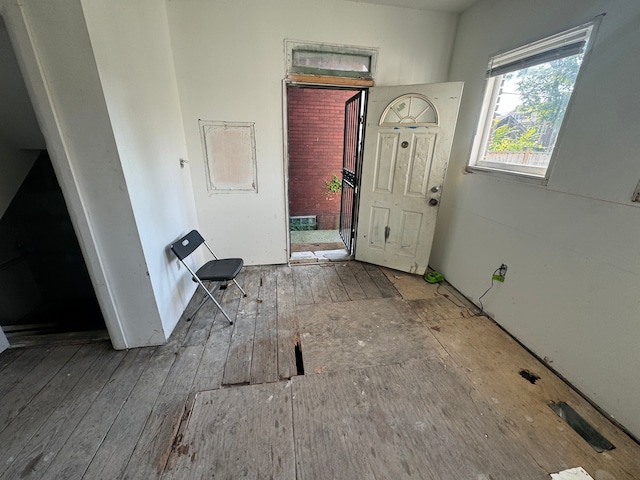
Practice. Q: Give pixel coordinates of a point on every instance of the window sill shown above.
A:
(508, 175)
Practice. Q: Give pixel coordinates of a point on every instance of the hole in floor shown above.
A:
(582, 427)
(299, 362)
(528, 376)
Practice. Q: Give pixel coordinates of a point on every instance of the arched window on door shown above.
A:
(411, 109)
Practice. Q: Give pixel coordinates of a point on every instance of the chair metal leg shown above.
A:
(222, 310)
(204, 300)
(210, 295)
(220, 307)
(244, 294)
(195, 312)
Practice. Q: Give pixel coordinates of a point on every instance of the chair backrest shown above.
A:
(187, 244)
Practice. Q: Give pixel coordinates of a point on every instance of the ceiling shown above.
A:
(454, 6)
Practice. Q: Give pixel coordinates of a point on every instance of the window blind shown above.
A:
(566, 44)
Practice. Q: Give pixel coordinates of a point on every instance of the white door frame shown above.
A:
(26, 53)
(285, 138)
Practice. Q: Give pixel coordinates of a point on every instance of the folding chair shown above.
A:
(219, 270)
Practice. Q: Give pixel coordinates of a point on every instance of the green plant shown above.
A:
(334, 185)
(509, 139)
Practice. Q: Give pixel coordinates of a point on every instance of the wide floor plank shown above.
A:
(60, 425)
(154, 445)
(113, 456)
(9, 356)
(23, 427)
(18, 397)
(76, 454)
(319, 288)
(350, 282)
(415, 420)
(334, 283)
(287, 323)
(349, 335)
(240, 353)
(22, 361)
(264, 365)
(365, 281)
(211, 368)
(437, 308)
(285, 289)
(492, 361)
(202, 323)
(381, 281)
(304, 294)
(241, 432)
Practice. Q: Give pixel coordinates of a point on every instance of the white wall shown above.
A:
(230, 65)
(571, 291)
(132, 48)
(55, 53)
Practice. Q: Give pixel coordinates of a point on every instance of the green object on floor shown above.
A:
(433, 277)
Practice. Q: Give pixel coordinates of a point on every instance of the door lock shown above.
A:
(433, 202)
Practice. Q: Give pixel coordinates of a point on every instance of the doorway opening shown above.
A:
(42, 265)
(44, 282)
(321, 195)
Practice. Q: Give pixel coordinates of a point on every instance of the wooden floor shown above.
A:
(400, 381)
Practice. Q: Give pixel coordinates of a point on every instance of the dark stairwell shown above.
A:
(44, 282)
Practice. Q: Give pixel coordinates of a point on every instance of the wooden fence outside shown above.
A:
(528, 157)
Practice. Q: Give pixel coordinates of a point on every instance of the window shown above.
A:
(330, 60)
(528, 90)
(411, 109)
(327, 63)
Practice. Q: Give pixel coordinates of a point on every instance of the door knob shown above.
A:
(433, 202)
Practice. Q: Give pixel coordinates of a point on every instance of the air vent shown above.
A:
(582, 427)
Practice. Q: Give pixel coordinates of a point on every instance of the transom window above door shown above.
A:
(327, 63)
(330, 60)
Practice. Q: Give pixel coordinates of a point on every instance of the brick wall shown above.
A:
(316, 128)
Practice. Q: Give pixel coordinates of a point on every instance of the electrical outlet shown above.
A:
(503, 269)
(501, 272)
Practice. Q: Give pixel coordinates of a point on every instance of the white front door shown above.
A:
(407, 144)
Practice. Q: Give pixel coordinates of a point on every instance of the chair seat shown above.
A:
(220, 270)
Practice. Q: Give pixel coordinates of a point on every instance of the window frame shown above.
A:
(527, 174)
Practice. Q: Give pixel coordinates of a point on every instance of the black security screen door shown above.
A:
(351, 165)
